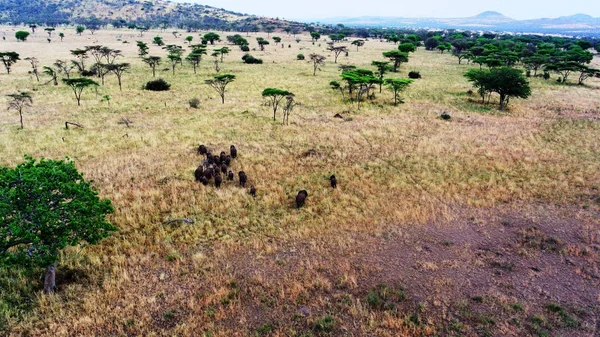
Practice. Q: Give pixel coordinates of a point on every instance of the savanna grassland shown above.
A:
(482, 225)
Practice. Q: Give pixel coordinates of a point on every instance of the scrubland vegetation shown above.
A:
(450, 217)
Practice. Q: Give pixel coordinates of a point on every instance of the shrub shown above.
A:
(244, 47)
(157, 85)
(414, 75)
(300, 57)
(194, 103)
(249, 59)
(445, 116)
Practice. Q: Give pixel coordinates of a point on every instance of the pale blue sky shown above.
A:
(314, 9)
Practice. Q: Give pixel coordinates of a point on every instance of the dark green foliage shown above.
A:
(445, 116)
(21, 35)
(157, 85)
(249, 59)
(219, 83)
(397, 57)
(158, 41)
(414, 75)
(315, 36)
(397, 85)
(237, 40)
(78, 84)
(142, 48)
(211, 37)
(47, 205)
(300, 57)
(79, 29)
(275, 96)
(245, 48)
(8, 59)
(262, 42)
(505, 81)
(325, 324)
(407, 47)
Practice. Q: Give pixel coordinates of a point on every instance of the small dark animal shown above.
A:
(217, 160)
(209, 172)
(230, 175)
(210, 158)
(224, 168)
(233, 151)
(202, 149)
(228, 160)
(253, 191)
(204, 181)
(199, 173)
(218, 180)
(222, 156)
(243, 178)
(300, 198)
(333, 181)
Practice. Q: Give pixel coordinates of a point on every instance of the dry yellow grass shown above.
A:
(396, 166)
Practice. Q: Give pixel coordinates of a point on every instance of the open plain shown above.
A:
(482, 225)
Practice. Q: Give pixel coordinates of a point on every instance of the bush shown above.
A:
(249, 59)
(445, 116)
(414, 75)
(244, 47)
(300, 57)
(194, 103)
(157, 85)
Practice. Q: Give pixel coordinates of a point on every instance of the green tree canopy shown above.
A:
(78, 84)
(407, 47)
(275, 96)
(397, 85)
(397, 57)
(211, 37)
(219, 83)
(8, 59)
(45, 206)
(505, 81)
(21, 35)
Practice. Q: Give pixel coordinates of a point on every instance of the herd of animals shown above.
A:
(212, 166)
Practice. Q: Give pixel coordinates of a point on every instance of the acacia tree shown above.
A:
(47, 205)
(277, 39)
(358, 43)
(397, 57)
(275, 96)
(8, 59)
(407, 47)
(397, 85)
(118, 69)
(174, 55)
(62, 36)
(152, 62)
(18, 102)
(34, 66)
(505, 81)
(195, 56)
(382, 69)
(81, 54)
(315, 36)
(211, 37)
(142, 48)
(262, 42)
(219, 83)
(65, 67)
(288, 106)
(49, 30)
(221, 52)
(316, 60)
(52, 73)
(337, 50)
(79, 30)
(78, 84)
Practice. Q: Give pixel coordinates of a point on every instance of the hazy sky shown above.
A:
(314, 9)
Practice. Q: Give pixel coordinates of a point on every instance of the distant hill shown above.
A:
(127, 12)
(573, 25)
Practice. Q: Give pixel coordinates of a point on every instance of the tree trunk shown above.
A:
(50, 279)
(502, 98)
(21, 115)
